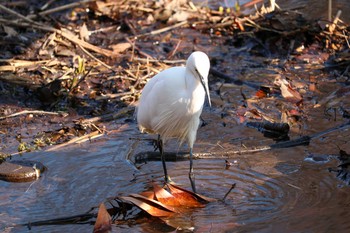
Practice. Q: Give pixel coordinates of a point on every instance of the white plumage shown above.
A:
(172, 102)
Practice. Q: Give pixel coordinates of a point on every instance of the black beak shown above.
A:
(206, 88)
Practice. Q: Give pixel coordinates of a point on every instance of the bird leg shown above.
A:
(160, 147)
(191, 174)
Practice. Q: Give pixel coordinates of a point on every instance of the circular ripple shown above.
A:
(292, 193)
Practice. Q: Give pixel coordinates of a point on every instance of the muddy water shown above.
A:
(275, 191)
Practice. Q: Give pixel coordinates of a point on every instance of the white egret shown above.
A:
(172, 102)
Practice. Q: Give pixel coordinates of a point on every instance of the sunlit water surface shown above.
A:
(275, 191)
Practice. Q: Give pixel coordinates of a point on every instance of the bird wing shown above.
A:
(163, 104)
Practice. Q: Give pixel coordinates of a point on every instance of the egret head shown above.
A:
(198, 63)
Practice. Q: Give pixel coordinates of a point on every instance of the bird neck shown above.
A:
(195, 90)
(192, 81)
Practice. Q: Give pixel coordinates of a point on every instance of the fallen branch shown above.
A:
(95, 58)
(81, 139)
(111, 116)
(155, 32)
(160, 61)
(30, 112)
(171, 156)
(80, 218)
(16, 14)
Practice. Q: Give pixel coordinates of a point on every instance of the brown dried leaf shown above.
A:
(253, 114)
(148, 194)
(164, 196)
(261, 94)
(152, 207)
(84, 33)
(103, 222)
(287, 90)
(121, 47)
(188, 198)
(100, 6)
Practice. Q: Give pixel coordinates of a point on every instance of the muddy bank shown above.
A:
(121, 46)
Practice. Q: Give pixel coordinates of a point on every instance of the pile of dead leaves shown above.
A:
(158, 203)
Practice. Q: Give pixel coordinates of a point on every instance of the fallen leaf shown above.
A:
(188, 198)
(179, 16)
(287, 90)
(152, 207)
(84, 33)
(148, 194)
(253, 114)
(164, 196)
(121, 47)
(260, 94)
(103, 222)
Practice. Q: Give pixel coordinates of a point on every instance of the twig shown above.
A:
(73, 38)
(174, 50)
(346, 39)
(155, 32)
(113, 96)
(228, 192)
(159, 61)
(80, 218)
(30, 112)
(21, 63)
(60, 8)
(138, 49)
(16, 14)
(335, 21)
(95, 58)
(46, 5)
(111, 116)
(81, 139)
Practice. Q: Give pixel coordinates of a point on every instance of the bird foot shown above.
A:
(168, 180)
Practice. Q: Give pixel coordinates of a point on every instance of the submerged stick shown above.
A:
(228, 192)
(301, 141)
